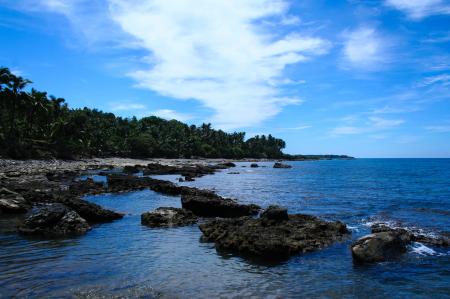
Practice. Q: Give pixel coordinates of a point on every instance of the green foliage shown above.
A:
(35, 125)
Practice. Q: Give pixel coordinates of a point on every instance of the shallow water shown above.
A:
(123, 258)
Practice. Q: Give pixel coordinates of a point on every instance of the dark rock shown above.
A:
(254, 165)
(12, 202)
(378, 247)
(281, 165)
(58, 176)
(88, 186)
(273, 239)
(414, 236)
(131, 169)
(208, 204)
(189, 179)
(234, 172)
(275, 213)
(168, 217)
(229, 164)
(155, 168)
(54, 220)
(89, 211)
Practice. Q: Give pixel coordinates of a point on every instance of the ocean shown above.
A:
(126, 259)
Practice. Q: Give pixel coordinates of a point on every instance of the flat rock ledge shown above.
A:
(273, 236)
(387, 243)
(168, 217)
(54, 220)
(12, 202)
(206, 203)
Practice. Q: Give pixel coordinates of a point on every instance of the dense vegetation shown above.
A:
(35, 125)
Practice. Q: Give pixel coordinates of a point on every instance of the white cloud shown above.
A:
(383, 123)
(216, 52)
(439, 128)
(126, 106)
(443, 79)
(418, 9)
(365, 48)
(171, 114)
(372, 125)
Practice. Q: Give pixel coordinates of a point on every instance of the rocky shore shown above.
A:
(50, 195)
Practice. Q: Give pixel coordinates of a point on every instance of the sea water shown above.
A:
(125, 259)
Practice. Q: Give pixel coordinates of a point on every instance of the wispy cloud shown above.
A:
(443, 79)
(365, 48)
(126, 106)
(372, 124)
(171, 114)
(445, 128)
(217, 53)
(419, 9)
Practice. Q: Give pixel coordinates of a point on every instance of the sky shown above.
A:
(363, 78)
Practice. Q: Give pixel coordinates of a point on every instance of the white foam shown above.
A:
(353, 228)
(421, 249)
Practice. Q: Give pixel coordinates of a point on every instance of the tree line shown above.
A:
(34, 124)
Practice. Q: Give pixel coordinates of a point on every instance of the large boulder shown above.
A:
(270, 238)
(12, 202)
(380, 246)
(281, 165)
(168, 217)
(54, 220)
(208, 204)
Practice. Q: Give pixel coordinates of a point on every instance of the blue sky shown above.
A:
(364, 78)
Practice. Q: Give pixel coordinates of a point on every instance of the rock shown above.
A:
(234, 172)
(440, 241)
(168, 217)
(189, 179)
(89, 211)
(275, 213)
(56, 176)
(87, 186)
(131, 169)
(281, 165)
(54, 220)
(229, 164)
(378, 247)
(12, 202)
(414, 236)
(254, 165)
(208, 204)
(273, 239)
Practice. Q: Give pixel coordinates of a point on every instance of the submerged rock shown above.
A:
(12, 202)
(208, 204)
(281, 165)
(168, 217)
(272, 236)
(254, 165)
(54, 220)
